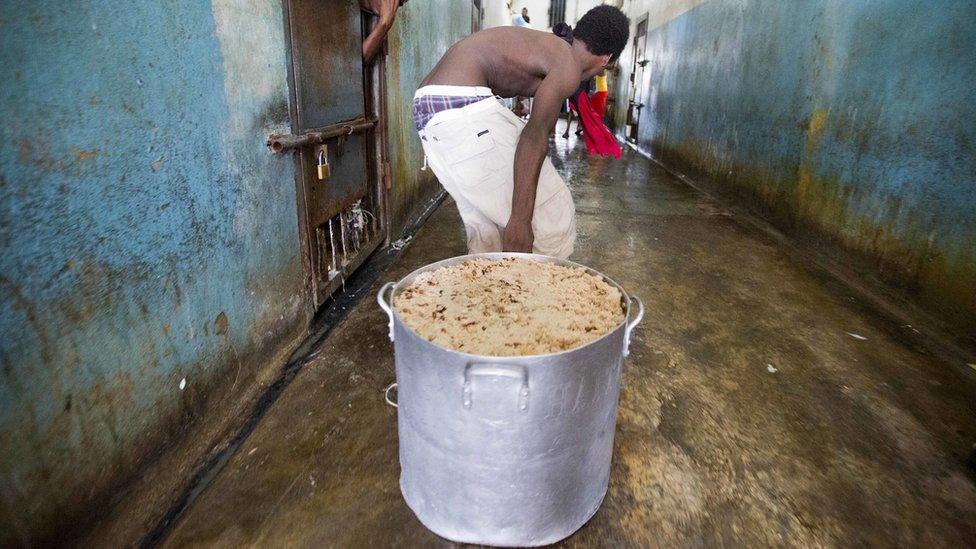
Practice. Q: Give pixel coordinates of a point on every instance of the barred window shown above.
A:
(557, 12)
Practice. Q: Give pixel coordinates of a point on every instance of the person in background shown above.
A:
(523, 20)
(599, 98)
(494, 164)
(386, 11)
(521, 106)
(597, 93)
(570, 108)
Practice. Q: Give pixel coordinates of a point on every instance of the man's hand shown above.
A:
(518, 236)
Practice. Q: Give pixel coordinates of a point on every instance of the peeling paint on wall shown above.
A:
(849, 121)
(149, 241)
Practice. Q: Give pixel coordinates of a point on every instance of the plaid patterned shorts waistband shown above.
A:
(425, 107)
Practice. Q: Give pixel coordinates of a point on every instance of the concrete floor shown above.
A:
(748, 415)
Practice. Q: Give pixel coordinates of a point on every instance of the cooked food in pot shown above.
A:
(509, 307)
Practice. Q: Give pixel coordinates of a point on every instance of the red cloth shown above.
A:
(596, 136)
(599, 103)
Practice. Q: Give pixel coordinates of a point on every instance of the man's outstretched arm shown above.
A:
(386, 10)
(531, 151)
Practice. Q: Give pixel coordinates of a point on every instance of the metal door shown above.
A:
(477, 15)
(333, 122)
(636, 90)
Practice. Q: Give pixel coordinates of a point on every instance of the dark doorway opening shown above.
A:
(635, 92)
(557, 12)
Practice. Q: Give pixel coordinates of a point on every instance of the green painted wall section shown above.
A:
(422, 33)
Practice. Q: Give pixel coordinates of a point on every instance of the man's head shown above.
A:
(604, 29)
(525, 11)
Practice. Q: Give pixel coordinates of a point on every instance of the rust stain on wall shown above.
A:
(822, 210)
(221, 323)
(806, 113)
(814, 129)
(82, 155)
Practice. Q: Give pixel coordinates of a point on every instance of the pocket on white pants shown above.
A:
(550, 183)
(469, 152)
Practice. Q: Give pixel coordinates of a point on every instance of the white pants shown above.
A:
(472, 152)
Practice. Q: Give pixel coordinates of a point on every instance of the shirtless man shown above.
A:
(493, 163)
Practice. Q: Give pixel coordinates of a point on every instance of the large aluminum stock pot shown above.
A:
(509, 451)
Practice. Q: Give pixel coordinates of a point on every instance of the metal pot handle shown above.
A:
(633, 323)
(381, 299)
(500, 369)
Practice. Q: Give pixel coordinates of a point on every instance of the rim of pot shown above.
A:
(624, 299)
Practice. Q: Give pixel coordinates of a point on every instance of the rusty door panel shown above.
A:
(347, 182)
(327, 56)
(340, 215)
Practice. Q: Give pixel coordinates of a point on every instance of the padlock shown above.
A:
(323, 164)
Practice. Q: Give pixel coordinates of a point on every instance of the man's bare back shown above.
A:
(512, 61)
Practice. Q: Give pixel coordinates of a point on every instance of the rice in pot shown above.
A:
(509, 307)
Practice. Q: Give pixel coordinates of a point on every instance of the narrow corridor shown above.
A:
(763, 401)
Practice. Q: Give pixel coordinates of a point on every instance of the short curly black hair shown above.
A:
(604, 29)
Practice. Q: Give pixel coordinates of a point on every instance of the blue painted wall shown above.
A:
(147, 236)
(850, 121)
